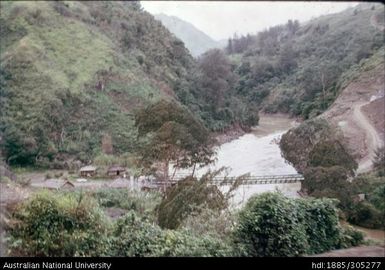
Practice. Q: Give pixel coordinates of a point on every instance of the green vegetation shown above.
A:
(314, 149)
(73, 73)
(171, 134)
(300, 69)
(74, 224)
(186, 198)
(59, 225)
(273, 225)
(297, 144)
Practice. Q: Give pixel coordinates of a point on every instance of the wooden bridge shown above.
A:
(245, 180)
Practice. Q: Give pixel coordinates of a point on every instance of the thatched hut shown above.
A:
(88, 171)
(116, 171)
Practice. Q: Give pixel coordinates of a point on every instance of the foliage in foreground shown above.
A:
(134, 236)
(73, 224)
(273, 225)
(51, 224)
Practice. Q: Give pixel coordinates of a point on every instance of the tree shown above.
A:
(172, 134)
(186, 197)
(217, 76)
(274, 225)
(269, 226)
(328, 153)
(379, 161)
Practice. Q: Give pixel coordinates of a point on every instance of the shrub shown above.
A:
(273, 225)
(350, 238)
(320, 219)
(377, 198)
(268, 226)
(211, 222)
(135, 237)
(331, 153)
(185, 244)
(59, 225)
(320, 178)
(366, 215)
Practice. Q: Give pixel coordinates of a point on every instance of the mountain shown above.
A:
(298, 68)
(194, 39)
(72, 74)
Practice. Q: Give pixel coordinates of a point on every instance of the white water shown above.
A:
(257, 156)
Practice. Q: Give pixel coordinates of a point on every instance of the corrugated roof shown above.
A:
(88, 168)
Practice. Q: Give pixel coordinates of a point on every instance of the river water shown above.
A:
(256, 153)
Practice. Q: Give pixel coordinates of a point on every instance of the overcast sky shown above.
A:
(221, 20)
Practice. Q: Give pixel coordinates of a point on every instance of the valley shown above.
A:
(125, 133)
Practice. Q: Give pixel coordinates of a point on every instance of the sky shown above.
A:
(220, 20)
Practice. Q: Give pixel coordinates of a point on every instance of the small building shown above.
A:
(88, 171)
(116, 171)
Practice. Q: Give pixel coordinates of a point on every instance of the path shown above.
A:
(372, 138)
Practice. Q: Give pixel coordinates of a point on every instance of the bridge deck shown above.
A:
(246, 180)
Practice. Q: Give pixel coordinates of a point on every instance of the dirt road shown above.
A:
(372, 138)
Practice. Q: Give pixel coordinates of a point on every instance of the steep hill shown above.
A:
(72, 73)
(296, 68)
(359, 110)
(194, 39)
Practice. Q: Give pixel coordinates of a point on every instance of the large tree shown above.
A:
(171, 134)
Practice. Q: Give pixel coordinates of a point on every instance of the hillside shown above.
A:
(359, 110)
(296, 68)
(72, 73)
(194, 39)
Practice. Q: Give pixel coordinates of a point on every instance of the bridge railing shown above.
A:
(246, 180)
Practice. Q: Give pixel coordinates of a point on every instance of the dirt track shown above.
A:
(372, 138)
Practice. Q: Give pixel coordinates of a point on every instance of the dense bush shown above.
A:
(185, 244)
(273, 225)
(366, 215)
(298, 142)
(320, 179)
(310, 59)
(51, 224)
(330, 153)
(269, 226)
(134, 236)
(321, 223)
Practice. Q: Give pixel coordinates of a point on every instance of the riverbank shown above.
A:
(268, 124)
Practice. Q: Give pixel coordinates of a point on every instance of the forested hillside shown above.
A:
(73, 73)
(297, 68)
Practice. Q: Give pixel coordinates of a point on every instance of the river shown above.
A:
(256, 153)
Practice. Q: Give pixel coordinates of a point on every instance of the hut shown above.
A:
(88, 171)
(116, 171)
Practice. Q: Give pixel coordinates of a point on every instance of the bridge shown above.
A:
(245, 180)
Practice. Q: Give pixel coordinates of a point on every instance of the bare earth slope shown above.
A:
(359, 112)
